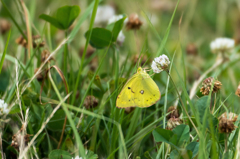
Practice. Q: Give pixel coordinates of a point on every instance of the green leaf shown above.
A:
(15, 109)
(67, 14)
(162, 135)
(5, 51)
(201, 105)
(56, 123)
(91, 155)
(52, 21)
(193, 146)
(202, 108)
(117, 28)
(100, 37)
(182, 132)
(59, 154)
(65, 17)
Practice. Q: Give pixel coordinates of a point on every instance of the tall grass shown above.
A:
(60, 105)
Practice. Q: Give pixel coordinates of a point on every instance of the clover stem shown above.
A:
(182, 103)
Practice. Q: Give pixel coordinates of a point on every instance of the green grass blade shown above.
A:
(5, 51)
(14, 21)
(94, 12)
(69, 117)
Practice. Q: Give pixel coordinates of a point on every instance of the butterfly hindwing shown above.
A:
(146, 91)
(139, 91)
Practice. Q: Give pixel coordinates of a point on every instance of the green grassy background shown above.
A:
(106, 130)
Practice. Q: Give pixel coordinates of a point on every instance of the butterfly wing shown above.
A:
(146, 91)
(139, 91)
(125, 97)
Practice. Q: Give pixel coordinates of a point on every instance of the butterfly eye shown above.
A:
(129, 88)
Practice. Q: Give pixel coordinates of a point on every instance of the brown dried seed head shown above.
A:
(191, 49)
(238, 91)
(207, 83)
(174, 112)
(226, 122)
(90, 102)
(4, 26)
(36, 41)
(173, 122)
(16, 139)
(134, 23)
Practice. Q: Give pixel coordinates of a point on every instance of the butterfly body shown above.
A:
(139, 91)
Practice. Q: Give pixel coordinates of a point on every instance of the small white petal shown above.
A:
(120, 37)
(104, 13)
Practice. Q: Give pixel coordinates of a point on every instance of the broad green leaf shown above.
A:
(117, 28)
(59, 154)
(100, 37)
(52, 21)
(65, 17)
(56, 123)
(193, 146)
(182, 132)
(201, 107)
(162, 135)
(67, 14)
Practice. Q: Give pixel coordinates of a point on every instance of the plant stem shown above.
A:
(65, 57)
(183, 104)
(226, 142)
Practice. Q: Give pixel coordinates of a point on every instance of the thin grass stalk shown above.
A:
(94, 12)
(103, 118)
(14, 21)
(183, 104)
(197, 83)
(42, 127)
(5, 51)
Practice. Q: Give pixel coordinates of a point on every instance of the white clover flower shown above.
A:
(104, 13)
(3, 107)
(222, 45)
(160, 63)
(77, 157)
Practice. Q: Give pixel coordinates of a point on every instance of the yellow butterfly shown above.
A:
(139, 91)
